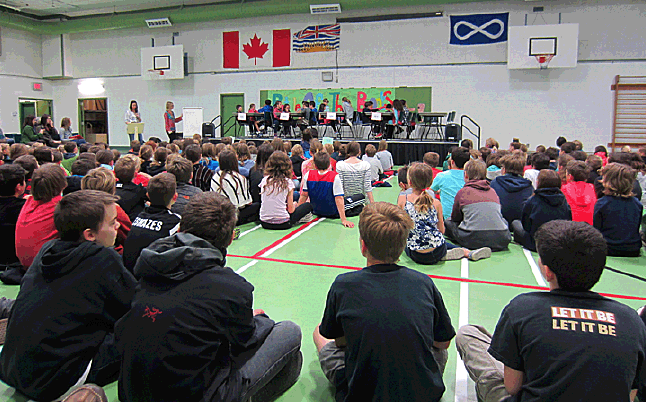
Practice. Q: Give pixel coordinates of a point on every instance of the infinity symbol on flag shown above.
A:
(481, 29)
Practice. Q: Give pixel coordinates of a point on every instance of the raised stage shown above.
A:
(404, 151)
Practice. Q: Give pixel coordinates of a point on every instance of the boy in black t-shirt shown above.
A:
(132, 197)
(385, 329)
(156, 221)
(568, 344)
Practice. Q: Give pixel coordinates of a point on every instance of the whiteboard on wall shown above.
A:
(193, 119)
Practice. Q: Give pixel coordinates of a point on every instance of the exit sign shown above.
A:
(38, 86)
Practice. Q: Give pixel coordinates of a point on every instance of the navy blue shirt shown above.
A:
(513, 190)
(548, 204)
(618, 219)
(390, 316)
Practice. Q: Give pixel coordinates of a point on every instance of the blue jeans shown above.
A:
(431, 258)
(275, 366)
(141, 138)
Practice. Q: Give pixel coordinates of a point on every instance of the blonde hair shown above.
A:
(384, 228)
(618, 180)
(420, 177)
(100, 179)
(329, 148)
(475, 170)
(297, 150)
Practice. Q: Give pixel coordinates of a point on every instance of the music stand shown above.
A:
(135, 129)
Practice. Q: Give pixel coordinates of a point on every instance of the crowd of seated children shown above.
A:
(75, 290)
(512, 189)
(432, 159)
(579, 194)
(182, 169)
(476, 217)
(448, 183)
(159, 164)
(376, 170)
(361, 349)
(547, 204)
(229, 182)
(102, 179)
(35, 225)
(618, 214)
(201, 175)
(540, 161)
(355, 178)
(132, 197)
(426, 244)
(525, 357)
(322, 188)
(236, 353)
(277, 209)
(156, 221)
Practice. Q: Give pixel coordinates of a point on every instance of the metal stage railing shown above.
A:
(462, 127)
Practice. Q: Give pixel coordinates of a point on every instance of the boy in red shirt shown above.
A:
(579, 194)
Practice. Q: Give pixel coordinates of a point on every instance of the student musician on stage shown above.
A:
(253, 123)
(278, 109)
(287, 124)
(266, 109)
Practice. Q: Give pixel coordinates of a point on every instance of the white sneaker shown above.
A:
(480, 253)
(307, 218)
(453, 254)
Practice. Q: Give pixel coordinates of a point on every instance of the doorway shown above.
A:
(93, 119)
(228, 103)
(33, 107)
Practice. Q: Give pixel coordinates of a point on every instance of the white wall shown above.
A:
(532, 105)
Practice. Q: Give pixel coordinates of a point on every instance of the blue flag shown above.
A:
(479, 29)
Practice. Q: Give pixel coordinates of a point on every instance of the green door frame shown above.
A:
(226, 112)
(81, 115)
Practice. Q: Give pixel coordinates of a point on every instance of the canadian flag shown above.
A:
(256, 49)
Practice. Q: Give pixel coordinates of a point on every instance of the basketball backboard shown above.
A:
(162, 62)
(543, 46)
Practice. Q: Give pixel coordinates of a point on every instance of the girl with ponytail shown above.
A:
(426, 244)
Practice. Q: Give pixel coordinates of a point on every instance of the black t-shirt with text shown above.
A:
(572, 346)
(390, 316)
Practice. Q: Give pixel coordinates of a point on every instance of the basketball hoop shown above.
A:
(544, 60)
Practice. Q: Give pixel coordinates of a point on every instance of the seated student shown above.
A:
(564, 159)
(355, 178)
(618, 214)
(71, 155)
(363, 348)
(315, 147)
(540, 161)
(35, 225)
(448, 183)
(258, 171)
(191, 333)
(209, 155)
(297, 159)
(156, 221)
(43, 155)
(182, 169)
(244, 157)
(512, 189)
(568, 344)
(101, 179)
(277, 210)
(201, 175)
(432, 159)
(323, 189)
(385, 157)
(494, 167)
(580, 195)
(132, 197)
(305, 142)
(146, 155)
(402, 181)
(12, 188)
(159, 164)
(229, 182)
(553, 153)
(594, 164)
(476, 217)
(60, 332)
(425, 244)
(29, 163)
(601, 152)
(547, 204)
(567, 148)
(105, 158)
(623, 158)
(376, 170)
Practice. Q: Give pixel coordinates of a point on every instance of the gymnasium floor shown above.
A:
(292, 271)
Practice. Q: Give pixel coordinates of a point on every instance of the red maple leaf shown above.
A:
(256, 49)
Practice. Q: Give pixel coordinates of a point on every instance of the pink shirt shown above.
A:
(273, 207)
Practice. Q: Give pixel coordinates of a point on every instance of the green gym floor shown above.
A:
(292, 271)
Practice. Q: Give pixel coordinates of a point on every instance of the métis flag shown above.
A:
(478, 29)
(317, 38)
(256, 49)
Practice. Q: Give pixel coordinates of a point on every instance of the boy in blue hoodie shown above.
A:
(512, 188)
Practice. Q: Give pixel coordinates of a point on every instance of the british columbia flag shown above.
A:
(317, 38)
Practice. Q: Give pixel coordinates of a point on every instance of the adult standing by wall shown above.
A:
(133, 116)
(170, 120)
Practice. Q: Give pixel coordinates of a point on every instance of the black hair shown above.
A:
(541, 160)
(136, 107)
(10, 177)
(560, 141)
(574, 251)
(268, 102)
(460, 157)
(568, 147)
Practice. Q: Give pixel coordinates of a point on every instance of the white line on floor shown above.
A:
(461, 375)
(247, 265)
(286, 241)
(535, 270)
(250, 230)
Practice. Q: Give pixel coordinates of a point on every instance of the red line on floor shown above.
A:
(447, 278)
(277, 242)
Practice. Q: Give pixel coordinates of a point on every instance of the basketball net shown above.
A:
(544, 60)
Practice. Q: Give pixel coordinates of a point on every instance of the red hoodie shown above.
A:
(35, 227)
(581, 197)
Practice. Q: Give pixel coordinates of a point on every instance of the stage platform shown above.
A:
(403, 151)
